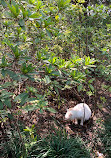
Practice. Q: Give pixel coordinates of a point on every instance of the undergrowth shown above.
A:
(57, 145)
(105, 136)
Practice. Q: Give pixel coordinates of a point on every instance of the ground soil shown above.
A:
(46, 122)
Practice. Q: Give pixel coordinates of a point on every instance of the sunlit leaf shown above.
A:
(91, 87)
(51, 110)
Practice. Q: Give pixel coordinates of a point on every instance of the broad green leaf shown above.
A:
(1, 105)
(14, 9)
(5, 94)
(3, 3)
(24, 12)
(3, 72)
(91, 87)
(24, 98)
(81, 1)
(89, 93)
(49, 34)
(67, 87)
(7, 102)
(41, 111)
(56, 89)
(47, 79)
(7, 84)
(31, 1)
(12, 74)
(109, 89)
(32, 89)
(21, 22)
(80, 87)
(91, 80)
(10, 116)
(26, 130)
(55, 73)
(51, 110)
(35, 15)
(21, 98)
(30, 107)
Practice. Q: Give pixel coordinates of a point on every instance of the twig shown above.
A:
(78, 96)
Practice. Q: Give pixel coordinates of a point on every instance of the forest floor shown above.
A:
(96, 132)
(100, 105)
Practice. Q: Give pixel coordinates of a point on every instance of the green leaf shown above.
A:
(109, 89)
(63, 3)
(30, 107)
(47, 79)
(91, 87)
(3, 72)
(1, 105)
(3, 3)
(35, 15)
(89, 93)
(24, 12)
(49, 34)
(7, 102)
(80, 87)
(7, 84)
(5, 94)
(51, 110)
(21, 22)
(14, 9)
(32, 89)
(67, 87)
(31, 1)
(22, 98)
(26, 130)
(13, 75)
(56, 89)
(55, 73)
(41, 111)
(91, 80)
(10, 116)
(4, 62)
